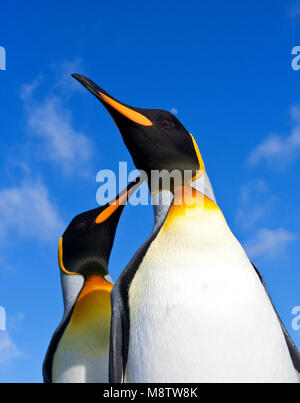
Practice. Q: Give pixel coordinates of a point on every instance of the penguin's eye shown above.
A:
(166, 124)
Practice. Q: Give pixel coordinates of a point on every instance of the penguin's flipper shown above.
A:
(48, 360)
(116, 339)
(294, 352)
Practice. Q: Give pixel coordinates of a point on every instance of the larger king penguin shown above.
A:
(79, 349)
(190, 306)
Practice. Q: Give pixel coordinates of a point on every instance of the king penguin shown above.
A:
(79, 349)
(189, 306)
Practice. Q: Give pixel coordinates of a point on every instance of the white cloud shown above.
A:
(14, 321)
(254, 203)
(52, 123)
(269, 243)
(61, 143)
(174, 111)
(8, 348)
(279, 151)
(248, 218)
(28, 211)
(65, 69)
(295, 113)
(255, 187)
(27, 90)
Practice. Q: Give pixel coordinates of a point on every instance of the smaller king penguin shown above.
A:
(79, 349)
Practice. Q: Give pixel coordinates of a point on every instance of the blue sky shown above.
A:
(226, 68)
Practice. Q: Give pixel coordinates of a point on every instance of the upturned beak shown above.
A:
(114, 106)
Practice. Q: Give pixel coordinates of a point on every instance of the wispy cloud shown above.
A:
(51, 123)
(61, 143)
(8, 348)
(174, 111)
(254, 203)
(269, 243)
(254, 187)
(279, 151)
(28, 89)
(64, 70)
(14, 321)
(28, 211)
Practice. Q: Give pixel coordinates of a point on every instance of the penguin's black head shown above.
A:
(155, 138)
(87, 242)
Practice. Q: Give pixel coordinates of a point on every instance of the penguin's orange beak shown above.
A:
(120, 200)
(111, 104)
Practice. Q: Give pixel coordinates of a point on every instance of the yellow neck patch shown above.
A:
(200, 160)
(60, 257)
(93, 302)
(189, 203)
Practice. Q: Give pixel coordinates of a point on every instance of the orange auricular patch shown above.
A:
(129, 113)
(93, 302)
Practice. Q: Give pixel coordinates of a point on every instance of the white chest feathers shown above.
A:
(198, 312)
